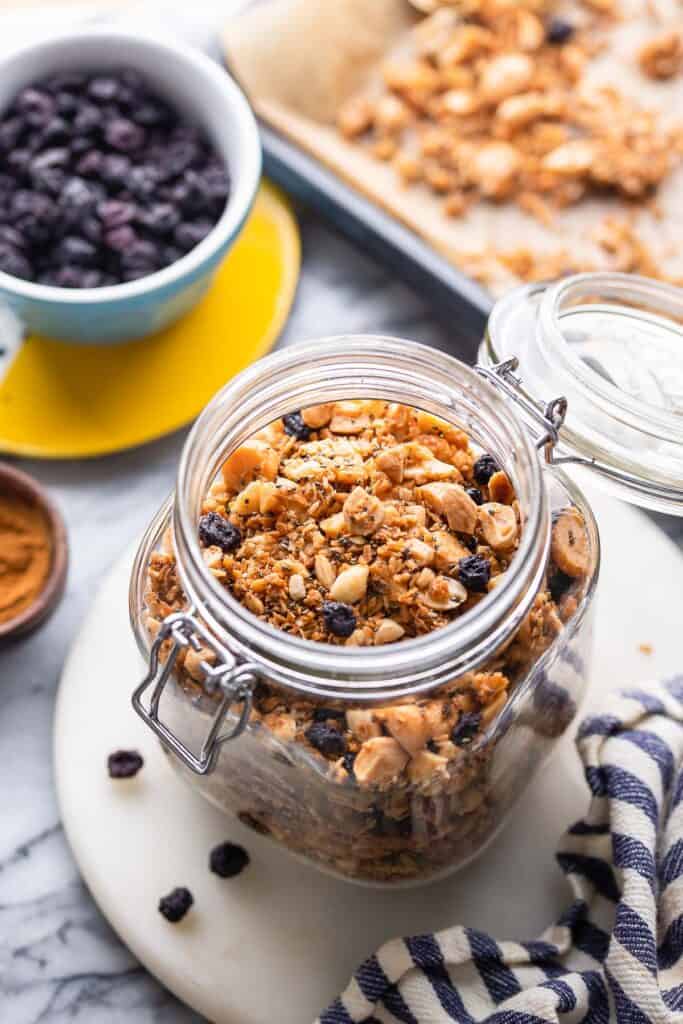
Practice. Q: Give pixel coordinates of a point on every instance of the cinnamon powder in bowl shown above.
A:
(33, 553)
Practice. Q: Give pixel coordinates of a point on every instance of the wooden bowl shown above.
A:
(13, 481)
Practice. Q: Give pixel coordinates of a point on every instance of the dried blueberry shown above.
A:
(10, 236)
(466, 728)
(36, 106)
(559, 31)
(325, 714)
(13, 261)
(79, 196)
(141, 253)
(215, 529)
(171, 253)
(69, 277)
(161, 218)
(349, 760)
(123, 764)
(475, 494)
(174, 906)
(474, 572)
(18, 160)
(326, 739)
(11, 131)
(339, 618)
(189, 234)
(558, 584)
(114, 169)
(294, 426)
(27, 201)
(484, 468)
(228, 859)
(66, 104)
(124, 134)
(56, 130)
(113, 212)
(216, 183)
(468, 540)
(88, 120)
(142, 181)
(35, 229)
(103, 89)
(71, 81)
(55, 156)
(179, 157)
(120, 239)
(90, 164)
(73, 249)
(150, 114)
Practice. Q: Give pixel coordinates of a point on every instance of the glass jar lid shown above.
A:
(612, 345)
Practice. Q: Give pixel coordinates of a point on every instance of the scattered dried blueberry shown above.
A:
(124, 764)
(174, 906)
(80, 153)
(326, 739)
(558, 584)
(484, 468)
(228, 860)
(294, 426)
(558, 31)
(474, 572)
(349, 761)
(340, 618)
(466, 728)
(214, 529)
(475, 494)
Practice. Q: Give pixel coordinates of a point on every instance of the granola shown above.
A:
(493, 103)
(363, 523)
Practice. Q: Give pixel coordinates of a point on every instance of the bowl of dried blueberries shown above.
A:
(127, 169)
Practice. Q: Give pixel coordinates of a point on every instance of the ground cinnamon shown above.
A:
(25, 554)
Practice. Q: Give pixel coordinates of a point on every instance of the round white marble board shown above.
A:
(281, 940)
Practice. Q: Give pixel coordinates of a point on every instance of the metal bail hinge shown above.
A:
(234, 680)
(548, 415)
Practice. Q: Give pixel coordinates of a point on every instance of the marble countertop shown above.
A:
(59, 960)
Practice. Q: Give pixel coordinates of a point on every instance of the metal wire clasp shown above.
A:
(549, 415)
(235, 681)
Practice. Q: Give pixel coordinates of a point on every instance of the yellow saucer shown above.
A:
(73, 401)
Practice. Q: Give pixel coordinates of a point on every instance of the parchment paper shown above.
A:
(298, 60)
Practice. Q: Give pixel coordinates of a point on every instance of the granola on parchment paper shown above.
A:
(492, 103)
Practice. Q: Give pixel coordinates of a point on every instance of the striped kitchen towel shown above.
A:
(616, 954)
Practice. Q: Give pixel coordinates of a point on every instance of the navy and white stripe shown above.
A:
(616, 954)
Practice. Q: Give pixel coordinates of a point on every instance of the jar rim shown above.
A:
(367, 366)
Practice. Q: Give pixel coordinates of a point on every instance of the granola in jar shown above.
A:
(367, 523)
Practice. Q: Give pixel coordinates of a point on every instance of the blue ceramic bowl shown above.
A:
(203, 92)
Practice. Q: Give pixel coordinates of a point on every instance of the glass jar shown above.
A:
(421, 824)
